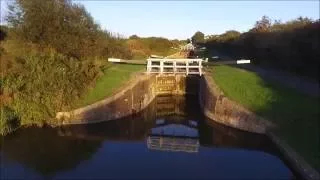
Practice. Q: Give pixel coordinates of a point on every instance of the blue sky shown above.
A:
(181, 19)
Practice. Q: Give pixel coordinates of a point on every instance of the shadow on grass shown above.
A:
(309, 85)
(297, 116)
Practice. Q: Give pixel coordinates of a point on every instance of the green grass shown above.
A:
(114, 77)
(297, 115)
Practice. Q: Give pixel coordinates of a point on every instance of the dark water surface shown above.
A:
(170, 139)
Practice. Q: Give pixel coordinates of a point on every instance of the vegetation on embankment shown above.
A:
(296, 115)
(291, 46)
(141, 48)
(51, 53)
(115, 75)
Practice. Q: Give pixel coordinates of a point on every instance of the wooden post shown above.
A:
(174, 66)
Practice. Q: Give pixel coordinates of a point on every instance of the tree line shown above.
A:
(51, 52)
(291, 46)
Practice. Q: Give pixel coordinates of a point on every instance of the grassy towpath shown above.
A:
(113, 78)
(296, 114)
(303, 84)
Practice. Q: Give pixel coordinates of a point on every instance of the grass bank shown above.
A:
(297, 115)
(114, 76)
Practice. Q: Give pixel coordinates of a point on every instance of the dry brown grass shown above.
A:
(180, 54)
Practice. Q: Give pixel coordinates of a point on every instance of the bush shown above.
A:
(49, 83)
(141, 48)
(62, 25)
(8, 120)
(291, 46)
(52, 53)
(198, 37)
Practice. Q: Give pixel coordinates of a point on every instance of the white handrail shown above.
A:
(187, 66)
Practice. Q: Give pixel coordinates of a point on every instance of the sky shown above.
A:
(181, 19)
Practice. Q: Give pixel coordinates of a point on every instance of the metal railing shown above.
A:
(174, 66)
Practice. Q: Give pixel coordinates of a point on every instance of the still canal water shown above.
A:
(170, 139)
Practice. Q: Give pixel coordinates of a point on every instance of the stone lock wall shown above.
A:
(135, 96)
(221, 109)
(225, 111)
(142, 90)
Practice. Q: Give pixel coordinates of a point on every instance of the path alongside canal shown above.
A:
(296, 114)
(114, 78)
(301, 84)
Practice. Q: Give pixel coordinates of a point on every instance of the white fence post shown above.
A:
(187, 67)
(161, 66)
(149, 66)
(200, 67)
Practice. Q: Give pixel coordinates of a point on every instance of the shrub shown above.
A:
(291, 46)
(143, 47)
(8, 120)
(53, 52)
(49, 83)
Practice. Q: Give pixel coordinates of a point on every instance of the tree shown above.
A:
(134, 37)
(263, 25)
(230, 35)
(60, 24)
(57, 53)
(198, 37)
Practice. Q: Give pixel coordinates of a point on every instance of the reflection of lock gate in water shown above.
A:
(182, 137)
(173, 144)
(174, 137)
(170, 105)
